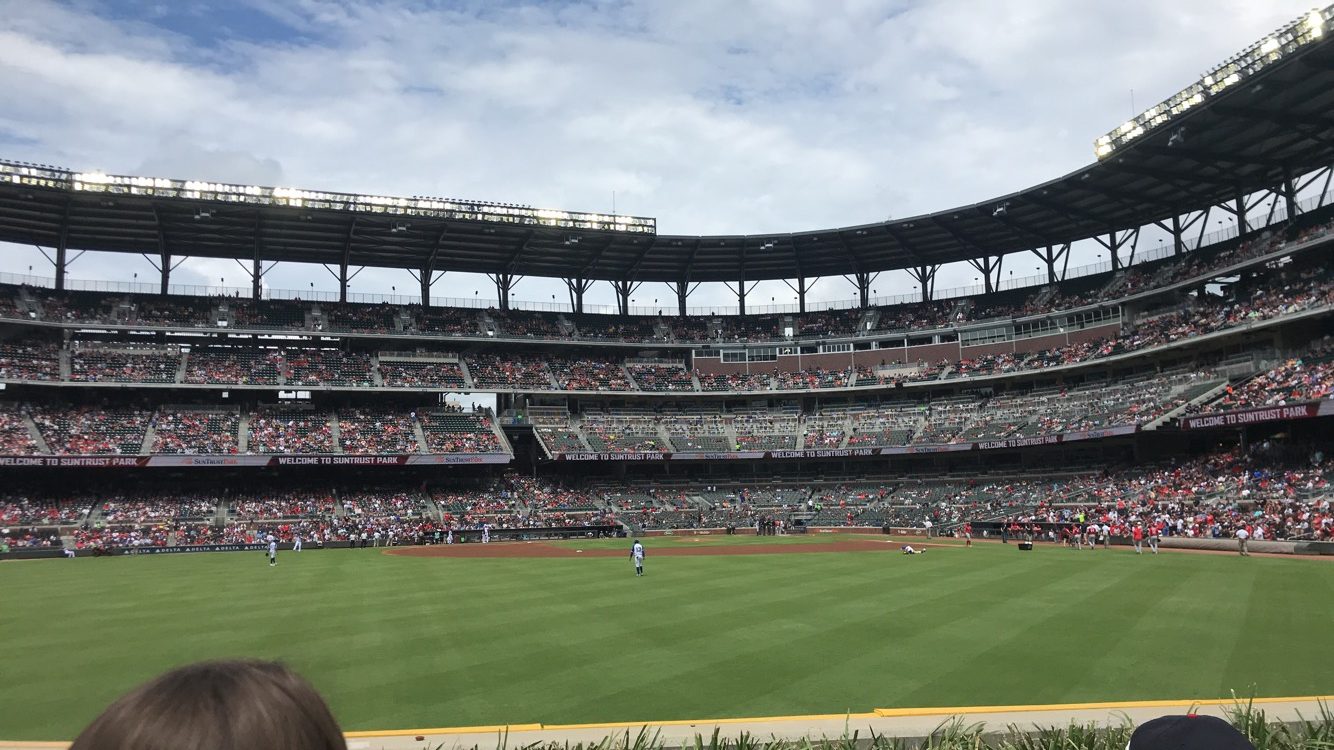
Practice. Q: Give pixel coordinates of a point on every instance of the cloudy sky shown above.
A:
(714, 116)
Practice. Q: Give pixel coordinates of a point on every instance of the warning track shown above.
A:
(544, 549)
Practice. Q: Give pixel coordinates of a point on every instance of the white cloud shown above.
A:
(750, 116)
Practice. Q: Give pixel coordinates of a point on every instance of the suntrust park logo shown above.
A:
(214, 461)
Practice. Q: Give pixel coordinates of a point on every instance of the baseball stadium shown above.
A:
(1079, 494)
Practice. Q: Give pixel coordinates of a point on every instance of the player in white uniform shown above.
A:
(1242, 536)
(486, 533)
(296, 542)
(273, 551)
(449, 536)
(637, 554)
(68, 552)
(908, 550)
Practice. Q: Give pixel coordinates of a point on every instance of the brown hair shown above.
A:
(219, 705)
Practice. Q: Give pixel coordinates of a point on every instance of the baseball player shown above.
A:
(908, 550)
(296, 542)
(68, 552)
(968, 534)
(273, 551)
(1155, 534)
(449, 536)
(1138, 535)
(486, 533)
(637, 554)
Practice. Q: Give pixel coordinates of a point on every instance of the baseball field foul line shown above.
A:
(445, 730)
(877, 713)
(963, 710)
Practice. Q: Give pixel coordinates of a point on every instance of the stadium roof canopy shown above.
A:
(1252, 124)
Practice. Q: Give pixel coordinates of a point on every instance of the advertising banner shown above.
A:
(186, 461)
(1240, 417)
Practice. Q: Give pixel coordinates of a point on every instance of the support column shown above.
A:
(504, 287)
(926, 278)
(163, 264)
(623, 289)
(802, 286)
(61, 262)
(1113, 245)
(862, 281)
(682, 289)
(1290, 193)
(1050, 256)
(1178, 244)
(988, 266)
(741, 290)
(257, 268)
(62, 250)
(344, 262)
(426, 278)
(1240, 210)
(577, 286)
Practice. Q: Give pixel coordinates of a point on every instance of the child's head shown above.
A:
(222, 705)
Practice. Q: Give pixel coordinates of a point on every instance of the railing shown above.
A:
(418, 356)
(655, 361)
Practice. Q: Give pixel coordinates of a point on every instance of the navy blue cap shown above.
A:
(1193, 732)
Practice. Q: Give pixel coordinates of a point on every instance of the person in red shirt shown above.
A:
(968, 535)
(1138, 536)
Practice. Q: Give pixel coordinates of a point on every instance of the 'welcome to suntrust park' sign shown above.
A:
(1241, 417)
(190, 461)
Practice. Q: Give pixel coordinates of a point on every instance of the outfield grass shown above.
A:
(397, 642)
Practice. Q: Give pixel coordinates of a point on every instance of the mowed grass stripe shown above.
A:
(679, 614)
(398, 641)
(1026, 632)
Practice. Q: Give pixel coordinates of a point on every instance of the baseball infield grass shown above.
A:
(400, 642)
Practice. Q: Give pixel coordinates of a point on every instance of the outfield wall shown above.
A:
(750, 531)
(1270, 547)
(463, 536)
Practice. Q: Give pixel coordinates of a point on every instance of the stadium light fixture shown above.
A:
(20, 173)
(1305, 30)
